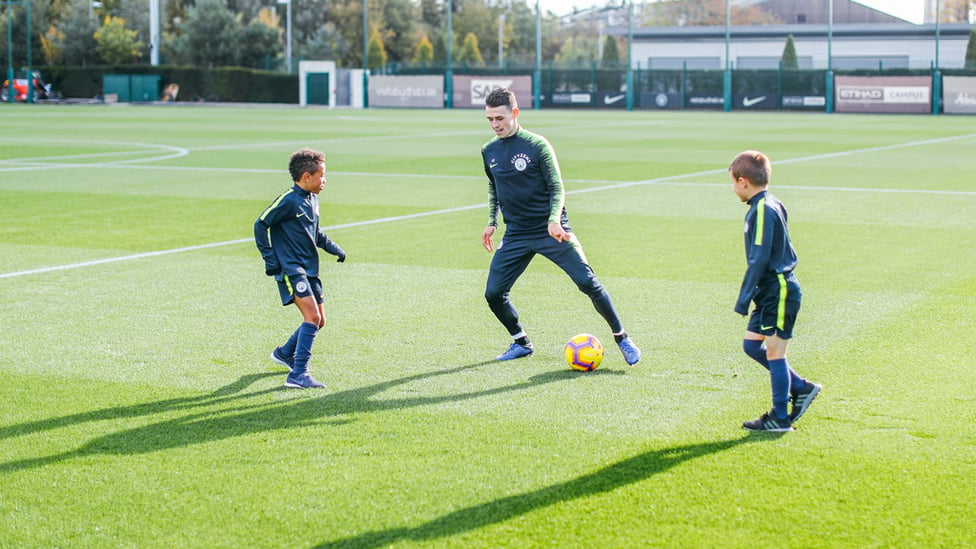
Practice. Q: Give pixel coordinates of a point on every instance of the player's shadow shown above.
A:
(622, 473)
(210, 424)
(223, 394)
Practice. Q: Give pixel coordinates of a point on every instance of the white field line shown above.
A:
(668, 180)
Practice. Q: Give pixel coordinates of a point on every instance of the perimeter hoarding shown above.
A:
(470, 91)
(423, 92)
(878, 94)
(959, 94)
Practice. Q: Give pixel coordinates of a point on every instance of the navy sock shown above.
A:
(288, 349)
(779, 378)
(756, 350)
(303, 347)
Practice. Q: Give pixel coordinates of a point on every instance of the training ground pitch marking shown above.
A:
(21, 164)
(668, 180)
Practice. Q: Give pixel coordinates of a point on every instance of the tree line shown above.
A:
(251, 33)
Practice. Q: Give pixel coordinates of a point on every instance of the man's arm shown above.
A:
(557, 193)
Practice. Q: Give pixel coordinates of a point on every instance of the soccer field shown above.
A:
(139, 407)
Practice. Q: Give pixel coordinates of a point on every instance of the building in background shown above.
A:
(800, 12)
(852, 46)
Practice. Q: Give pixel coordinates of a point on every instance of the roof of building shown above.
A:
(873, 30)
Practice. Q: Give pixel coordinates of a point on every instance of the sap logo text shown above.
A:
(481, 88)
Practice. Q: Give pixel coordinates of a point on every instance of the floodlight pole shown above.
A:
(30, 70)
(501, 38)
(936, 75)
(537, 74)
(154, 32)
(630, 46)
(10, 53)
(365, 54)
(830, 57)
(449, 74)
(727, 75)
(287, 33)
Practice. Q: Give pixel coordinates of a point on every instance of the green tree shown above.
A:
(477, 19)
(578, 51)
(971, 50)
(117, 45)
(469, 52)
(789, 61)
(40, 22)
(611, 52)
(327, 43)
(51, 46)
(399, 26)
(210, 36)
(956, 11)
(77, 30)
(136, 15)
(260, 44)
(347, 15)
(424, 51)
(375, 51)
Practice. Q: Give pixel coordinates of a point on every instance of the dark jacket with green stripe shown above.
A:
(287, 234)
(524, 184)
(769, 251)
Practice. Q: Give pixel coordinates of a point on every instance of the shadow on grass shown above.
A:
(211, 424)
(222, 394)
(622, 473)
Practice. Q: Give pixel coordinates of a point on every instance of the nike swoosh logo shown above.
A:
(611, 100)
(766, 327)
(747, 102)
(492, 165)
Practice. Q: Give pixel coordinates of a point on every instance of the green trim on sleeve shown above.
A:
(760, 220)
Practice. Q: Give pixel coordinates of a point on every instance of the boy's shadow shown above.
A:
(622, 473)
(210, 424)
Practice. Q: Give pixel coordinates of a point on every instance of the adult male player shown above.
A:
(287, 234)
(525, 185)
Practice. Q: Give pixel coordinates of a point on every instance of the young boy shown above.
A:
(287, 234)
(769, 282)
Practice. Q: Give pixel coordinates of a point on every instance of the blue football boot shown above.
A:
(632, 353)
(515, 351)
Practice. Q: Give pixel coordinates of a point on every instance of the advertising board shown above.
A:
(406, 91)
(877, 94)
(959, 94)
(470, 91)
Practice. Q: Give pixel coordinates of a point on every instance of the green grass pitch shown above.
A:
(139, 408)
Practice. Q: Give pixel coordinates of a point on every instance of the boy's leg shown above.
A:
(756, 350)
(308, 300)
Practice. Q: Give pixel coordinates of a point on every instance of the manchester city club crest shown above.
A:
(520, 161)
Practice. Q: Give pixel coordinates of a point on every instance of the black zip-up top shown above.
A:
(769, 251)
(287, 234)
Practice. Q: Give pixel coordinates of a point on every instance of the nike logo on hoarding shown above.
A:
(748, 102)
(615, 99)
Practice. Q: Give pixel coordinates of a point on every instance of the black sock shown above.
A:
(619, 338)
(523, 341)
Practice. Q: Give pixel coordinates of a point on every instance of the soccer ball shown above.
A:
(584, 352)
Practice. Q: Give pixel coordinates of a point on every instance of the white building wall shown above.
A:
(921, 53)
